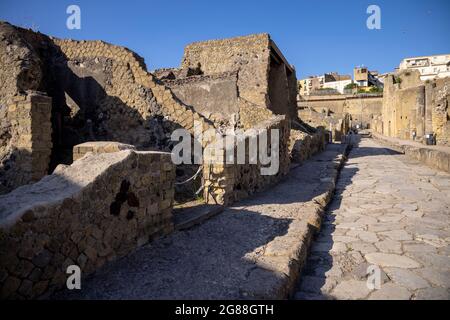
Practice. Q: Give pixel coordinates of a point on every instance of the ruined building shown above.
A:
(85, 165)
(246, 77)
(415, 110)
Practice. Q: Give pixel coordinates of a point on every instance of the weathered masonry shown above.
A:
(85, 167)
(362, 107)
(413, 109)
(26, 140)
(100, 208)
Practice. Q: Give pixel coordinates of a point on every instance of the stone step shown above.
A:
(187, 217)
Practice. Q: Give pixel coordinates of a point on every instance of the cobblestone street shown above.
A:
(390, 212)
(251, 250)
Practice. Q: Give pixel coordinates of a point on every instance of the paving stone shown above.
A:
(391, 217)
(435, 276)
(432, 240)
(406, 278)
(432, 294)
(434, 260)
(389, 246)
(350, 226)
(339, 247)
(367, 220)
(368, 236)
(398, 235)
(391, 260)
(344, 239)
(425, 229)
(407, 206)
(383, 226)
(413, 214)
(405, 233)
(390, 291)
(418, 247)
(362, 247)
(351, 289)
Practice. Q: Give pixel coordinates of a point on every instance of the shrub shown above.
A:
(351, 86)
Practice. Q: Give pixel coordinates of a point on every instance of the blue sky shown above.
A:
(315, 36)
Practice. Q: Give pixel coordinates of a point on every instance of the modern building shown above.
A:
(308, 85)
(365, 78)
(429, 67)
(331, 80)
(339, 86)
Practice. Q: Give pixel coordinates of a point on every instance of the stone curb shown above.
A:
(285, 256)
(433, 158)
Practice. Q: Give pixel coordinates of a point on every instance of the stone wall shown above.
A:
(412, 106)
(99, 92)
(265, 78)
(226, 182)
(25, 140)
(96, 147)
(250, 114)
(98, 209)
(303, 146)
(337, 124)
(361, 108)
(143, 96)
(19, 65)
(439, 99)
(215, 97)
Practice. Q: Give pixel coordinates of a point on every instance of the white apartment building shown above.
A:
(430, 67)
(337, 85)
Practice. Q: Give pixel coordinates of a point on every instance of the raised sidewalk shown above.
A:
(437, 157)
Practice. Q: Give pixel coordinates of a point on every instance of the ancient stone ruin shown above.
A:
(413, 109)
(85, 141)
(87, 170)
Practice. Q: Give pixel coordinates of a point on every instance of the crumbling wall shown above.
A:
(20, 66)
(98, 209)
(362, 108)
(99, 92)
(96, 147)
(24, 116)
(249, 54)
(227, 181)
(440, 110)
(130, 66)
(215, 97)
(251, 114)
(413, 109)
(404, 98)
(337, 124)
(303, 146)
(25, 137)
(264, 76)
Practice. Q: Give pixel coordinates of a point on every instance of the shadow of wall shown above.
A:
(87, 102)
